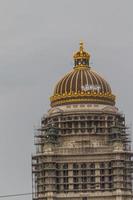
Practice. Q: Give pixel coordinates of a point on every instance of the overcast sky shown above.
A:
(37, 40)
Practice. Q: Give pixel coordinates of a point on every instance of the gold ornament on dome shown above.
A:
(81, 53)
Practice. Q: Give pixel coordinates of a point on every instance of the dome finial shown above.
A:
(81, 57)
(81, 46)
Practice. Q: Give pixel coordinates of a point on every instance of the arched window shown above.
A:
(102, 165)
(65, 166)
(83, 165)
(92, 165)
(75, 165)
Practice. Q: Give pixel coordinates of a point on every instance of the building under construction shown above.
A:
(83, 149)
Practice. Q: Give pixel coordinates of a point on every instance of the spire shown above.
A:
(81, 47)
(81, 58)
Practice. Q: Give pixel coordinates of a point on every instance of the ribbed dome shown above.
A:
(78, 80)
(82, 85)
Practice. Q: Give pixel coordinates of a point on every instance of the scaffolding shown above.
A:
(110, 175)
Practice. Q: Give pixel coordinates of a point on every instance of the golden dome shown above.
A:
(82, 84)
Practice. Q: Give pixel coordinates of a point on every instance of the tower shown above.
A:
(83, 148)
